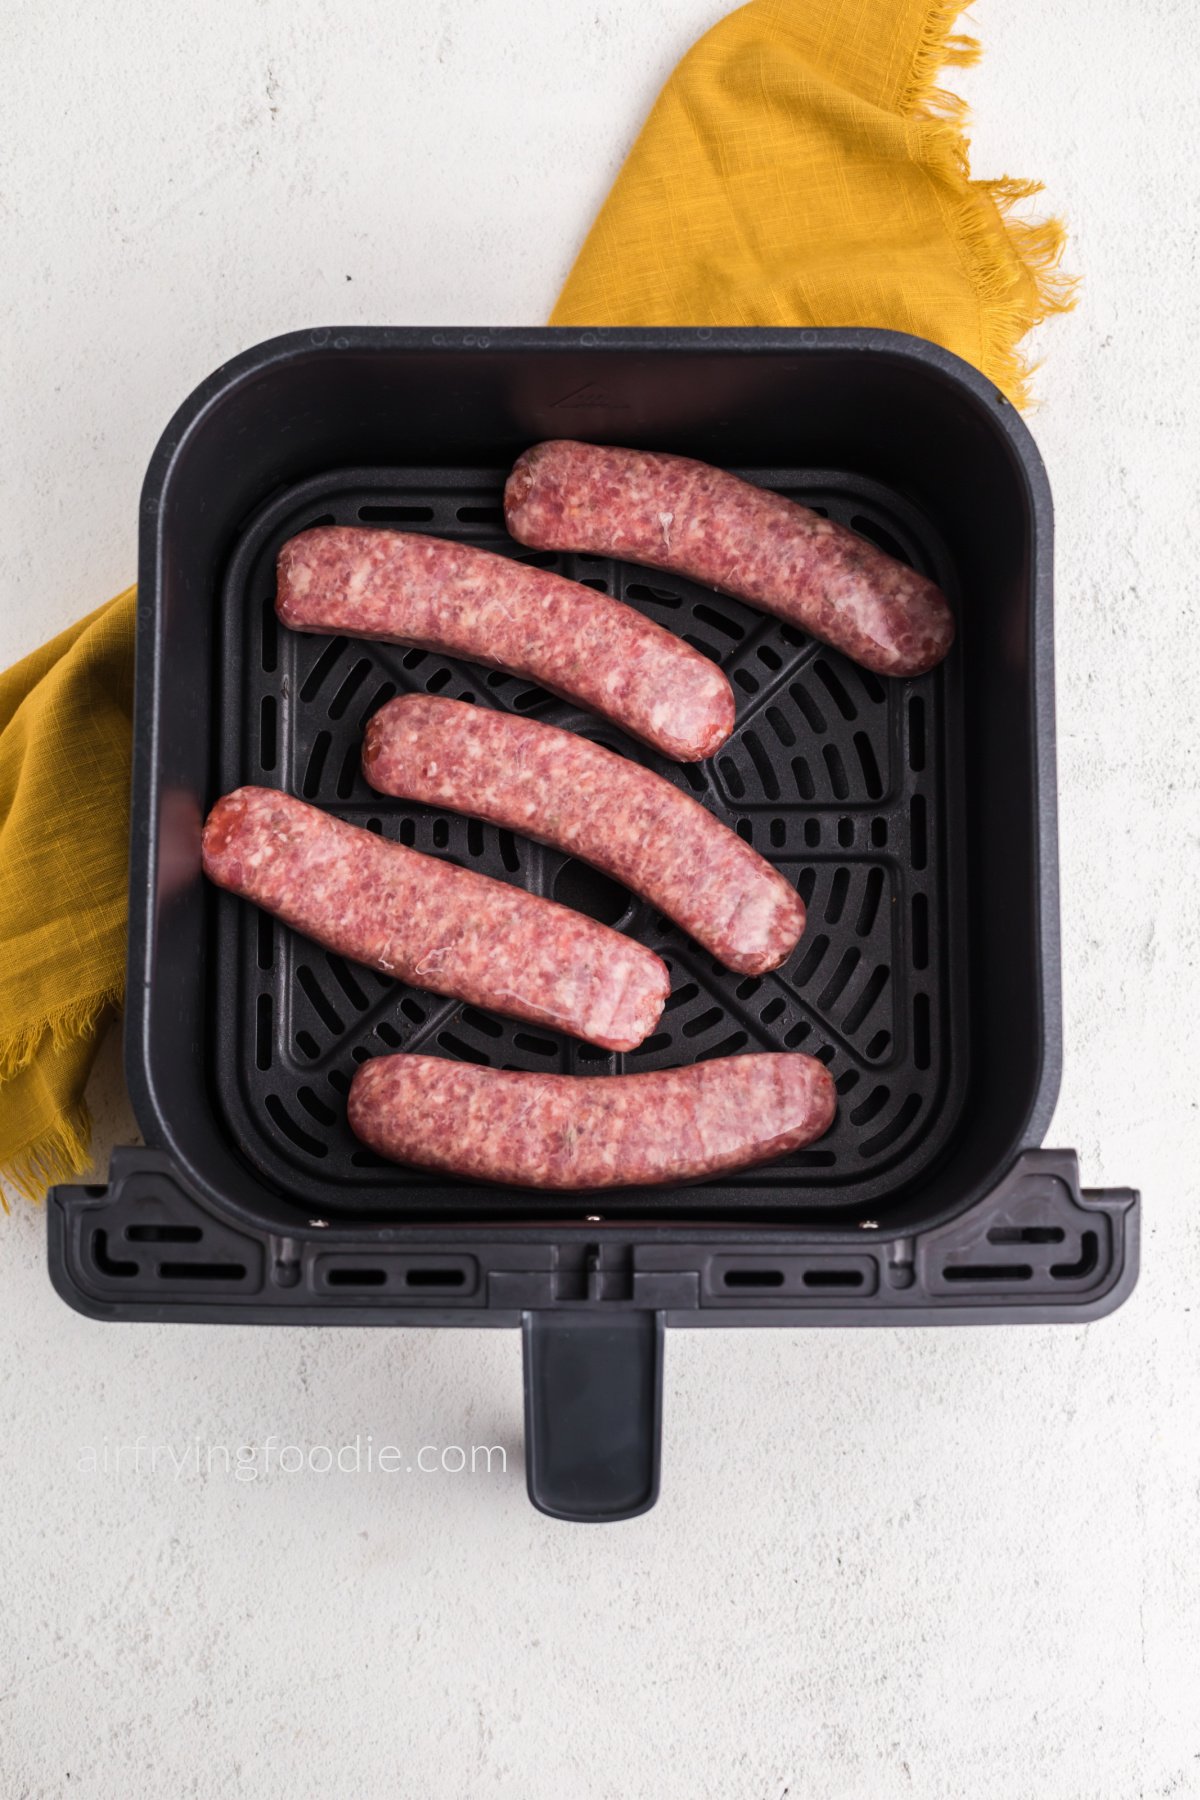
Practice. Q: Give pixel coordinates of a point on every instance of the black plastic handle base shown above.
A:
(593, 1413)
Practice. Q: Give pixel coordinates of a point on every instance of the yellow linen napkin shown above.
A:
(800, 168)
(65, 716)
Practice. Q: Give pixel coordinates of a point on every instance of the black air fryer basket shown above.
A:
(917, 819)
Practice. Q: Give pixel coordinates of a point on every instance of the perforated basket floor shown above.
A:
(849, 784)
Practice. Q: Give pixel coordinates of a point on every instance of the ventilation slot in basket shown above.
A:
(163, 1234)
(322, 669)
(987, 1272)
(107, 1264)
(199, 1271)
(1089, 1256)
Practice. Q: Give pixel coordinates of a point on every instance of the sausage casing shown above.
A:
(570, 1132)
(566, 791)
(673, 513)
(438, 595)
(431, 923)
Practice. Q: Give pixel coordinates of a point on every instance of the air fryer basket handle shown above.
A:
(593, 1412)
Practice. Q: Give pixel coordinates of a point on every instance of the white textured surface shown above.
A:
(938, 1563)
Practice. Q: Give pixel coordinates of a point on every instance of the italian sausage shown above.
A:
(431, 923)
(673, 513)
(566, 791)
(594, 1131)
(451, 597)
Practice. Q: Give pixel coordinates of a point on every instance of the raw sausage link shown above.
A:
(571, 1132)
(433, 924)
(445, 596)
(673, 513)
(577, 796)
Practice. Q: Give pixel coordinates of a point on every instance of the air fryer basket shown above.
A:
(851, 784)
(916, 819)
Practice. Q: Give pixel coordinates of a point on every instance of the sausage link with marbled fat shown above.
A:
(672, 513)
(438, 595)
(431, 923)
(570, 1132)
(566, 791)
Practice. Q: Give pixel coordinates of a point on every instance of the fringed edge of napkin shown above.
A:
(58, 1155)
(63, 1149)
(1016, 268)
(64, 1025)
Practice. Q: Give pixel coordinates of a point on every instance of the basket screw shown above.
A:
(320, 1224)
(868, 1224)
